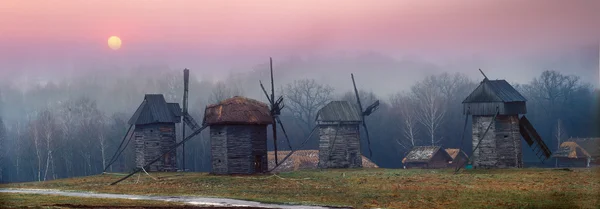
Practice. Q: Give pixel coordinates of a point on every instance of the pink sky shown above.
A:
(60, 31)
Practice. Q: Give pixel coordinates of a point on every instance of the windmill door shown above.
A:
(258, 164)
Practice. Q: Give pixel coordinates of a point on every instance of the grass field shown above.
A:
(382, 188)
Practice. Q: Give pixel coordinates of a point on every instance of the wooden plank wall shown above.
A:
(501, 146)
(485, 155)
(151, 141)
(508, 142)
(489, 108)
(344, 152)
(218, 149)
(236, 148)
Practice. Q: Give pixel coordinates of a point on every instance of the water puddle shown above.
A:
(197, 201)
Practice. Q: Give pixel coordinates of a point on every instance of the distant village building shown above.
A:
(427, 157)
(154, 132)
(339, 136)
(238, 135)
(582, 152)
(458, 157)
(304, 160)
(501, 146)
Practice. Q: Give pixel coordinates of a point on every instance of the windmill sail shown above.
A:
(533, 139)
(370, 109)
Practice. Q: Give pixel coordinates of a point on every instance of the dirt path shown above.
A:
(197, 201)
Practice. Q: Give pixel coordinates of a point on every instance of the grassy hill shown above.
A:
(382, 188)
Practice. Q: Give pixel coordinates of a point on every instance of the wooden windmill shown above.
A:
(153, 106)
(339, 132)
(275, 110)
(497, 127)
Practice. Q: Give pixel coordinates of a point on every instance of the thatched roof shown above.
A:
(571, 150)
(590, 145)
(423, 154)
(238, 111)
(304, 159)
(454, 152)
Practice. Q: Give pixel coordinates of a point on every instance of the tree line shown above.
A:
(73, 127)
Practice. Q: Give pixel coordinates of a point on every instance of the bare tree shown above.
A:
(3, 149)
(222, 91)
(304, 98)
(559, 134)
(404, 106)
(35, 127)
(431, 106)
(102, 139)
(171, 83)
(46, 128)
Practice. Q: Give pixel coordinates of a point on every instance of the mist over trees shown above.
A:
(74, 126)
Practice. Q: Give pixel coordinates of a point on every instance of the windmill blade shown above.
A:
(189, 121)
(356, 93)
(371, 108)
(284, 132)
(368, 139)
(265, 91)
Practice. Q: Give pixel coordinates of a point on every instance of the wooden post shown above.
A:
(186, 80)
(272, 111)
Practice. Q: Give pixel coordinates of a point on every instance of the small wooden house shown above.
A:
(570, 154)
(579, 152)
(501, 146)
(427, 157)
(238, 135)
(458, 157)
(339, 136)
(154, 132)
(305, 160)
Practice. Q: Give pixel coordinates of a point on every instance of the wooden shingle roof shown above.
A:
(339, 111)
(423, 154)
(154, 109)
(494, 91)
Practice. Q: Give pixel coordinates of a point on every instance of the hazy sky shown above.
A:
(44, 36)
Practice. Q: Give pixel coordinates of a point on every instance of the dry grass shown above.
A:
(385, 188)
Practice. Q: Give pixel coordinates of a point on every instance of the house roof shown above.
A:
(238, 110)
(154, 109)
(494, 91)
(454, 152)
(590, 145)
(423, 154)
(570, 149)
(339, 111)
(304, 159)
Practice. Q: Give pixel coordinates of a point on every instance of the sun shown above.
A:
(114, 42)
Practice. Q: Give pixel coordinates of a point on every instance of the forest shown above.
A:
(72, 127)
